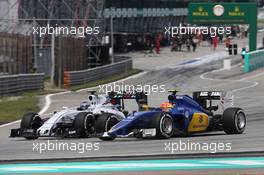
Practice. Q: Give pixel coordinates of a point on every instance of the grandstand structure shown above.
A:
(17, 13)
(131, 21)
(20, 16)
(129, 16)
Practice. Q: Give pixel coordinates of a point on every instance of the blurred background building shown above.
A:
(132, 23)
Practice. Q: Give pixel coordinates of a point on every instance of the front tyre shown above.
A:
(31, 121)
(164, 125)
(84, 124)
(234, 121)
(105, 122)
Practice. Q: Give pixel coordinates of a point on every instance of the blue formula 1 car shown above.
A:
(182, 115)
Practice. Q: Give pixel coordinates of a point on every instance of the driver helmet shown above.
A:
(166, 106)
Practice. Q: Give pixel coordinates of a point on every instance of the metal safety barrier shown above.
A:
(253, 60)
(10, 84)
(89, 75)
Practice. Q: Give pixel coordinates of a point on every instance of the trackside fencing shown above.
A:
(85, 76)
(10, 84)
(253, 60)
(15, 53)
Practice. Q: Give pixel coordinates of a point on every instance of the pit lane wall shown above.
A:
(89, 75)
(11, 84)
(253, 60)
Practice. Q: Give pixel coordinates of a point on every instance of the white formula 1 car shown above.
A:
(96, 115)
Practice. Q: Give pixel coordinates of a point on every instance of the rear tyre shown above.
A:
(31, 121)
(164, 125)
(105, 122)
(234, 121)
(84, 124)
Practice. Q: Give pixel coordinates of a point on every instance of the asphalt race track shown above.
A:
(247, 89)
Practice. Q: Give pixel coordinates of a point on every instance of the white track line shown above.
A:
(8, 124)
(245, 80)
(48, 101)
(42, 111)
(48, 97)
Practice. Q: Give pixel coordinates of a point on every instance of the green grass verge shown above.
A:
(12, 108)
(106, 80)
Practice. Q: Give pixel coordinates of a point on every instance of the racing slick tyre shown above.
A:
(84, 124)
(164, 125)
(31, 121)
(105, 122)
(234, 121)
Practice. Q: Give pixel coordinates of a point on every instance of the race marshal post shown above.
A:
(226, 13)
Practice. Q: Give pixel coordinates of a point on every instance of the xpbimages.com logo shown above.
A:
(148, 89)
(64, 30)
(194, 30)
(185, 146)
(55, 145)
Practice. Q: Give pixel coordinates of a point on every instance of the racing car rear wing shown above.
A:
(208, 95)
(140, 97)
(226, 99)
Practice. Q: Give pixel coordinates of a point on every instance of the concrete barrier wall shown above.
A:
(253, 60)
(89, 75)
(10, 84)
